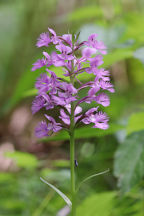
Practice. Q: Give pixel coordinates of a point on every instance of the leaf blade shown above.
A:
(65, 198)
(90, 177)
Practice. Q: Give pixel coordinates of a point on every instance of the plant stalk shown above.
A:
(72, 157)
(72, 148)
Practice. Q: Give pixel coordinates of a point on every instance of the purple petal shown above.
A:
(103, 99)
(43, 40)
(41, 130)
(91, 111)
(38, 64)
(37, 104)
(78, 110)
(88, 52)
(65, 118)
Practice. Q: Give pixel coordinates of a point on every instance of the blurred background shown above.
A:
(23, 158)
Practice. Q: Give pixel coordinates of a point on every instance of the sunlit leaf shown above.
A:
(61, 163)
(117, 55)
(136, 122)
(23, 159)
(98, 204)
(84, 13)
(136, 71)
(135, 30)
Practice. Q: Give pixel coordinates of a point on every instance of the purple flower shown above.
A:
(65, 52)
(66, 94)
(88, 52)
(54, 37)
(43, 40)
(41, 130)
(38, 64)
(44, 129)
(41, 101)
(91, 40)
(57, 60)
(107, 86)
(99, 45)
(66, 117)
(103, 99)
(47, 61)
(99, 119)
(53, 125)
(68, 39)
(37, 104)
(45, 83)
(101, 74)
(96, 61)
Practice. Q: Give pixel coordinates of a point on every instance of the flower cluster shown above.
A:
(64, 90)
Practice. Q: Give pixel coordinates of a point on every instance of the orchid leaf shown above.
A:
(90, 177)
(65, 198)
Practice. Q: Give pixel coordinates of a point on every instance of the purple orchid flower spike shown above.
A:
(64, 89)
(53, 91)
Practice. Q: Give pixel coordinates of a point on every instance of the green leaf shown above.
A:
(66, 199)
(99, 204)
(90, 177)
(85, 13)
(135, 30)
(135, 123)
(117, 55)
(25, 83)
(136, 70)
(129, 161)
(23, 159)
(30, 93)
(61, 163)
(85, 132)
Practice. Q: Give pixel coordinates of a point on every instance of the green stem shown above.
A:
(72, 150)
(72, 157)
